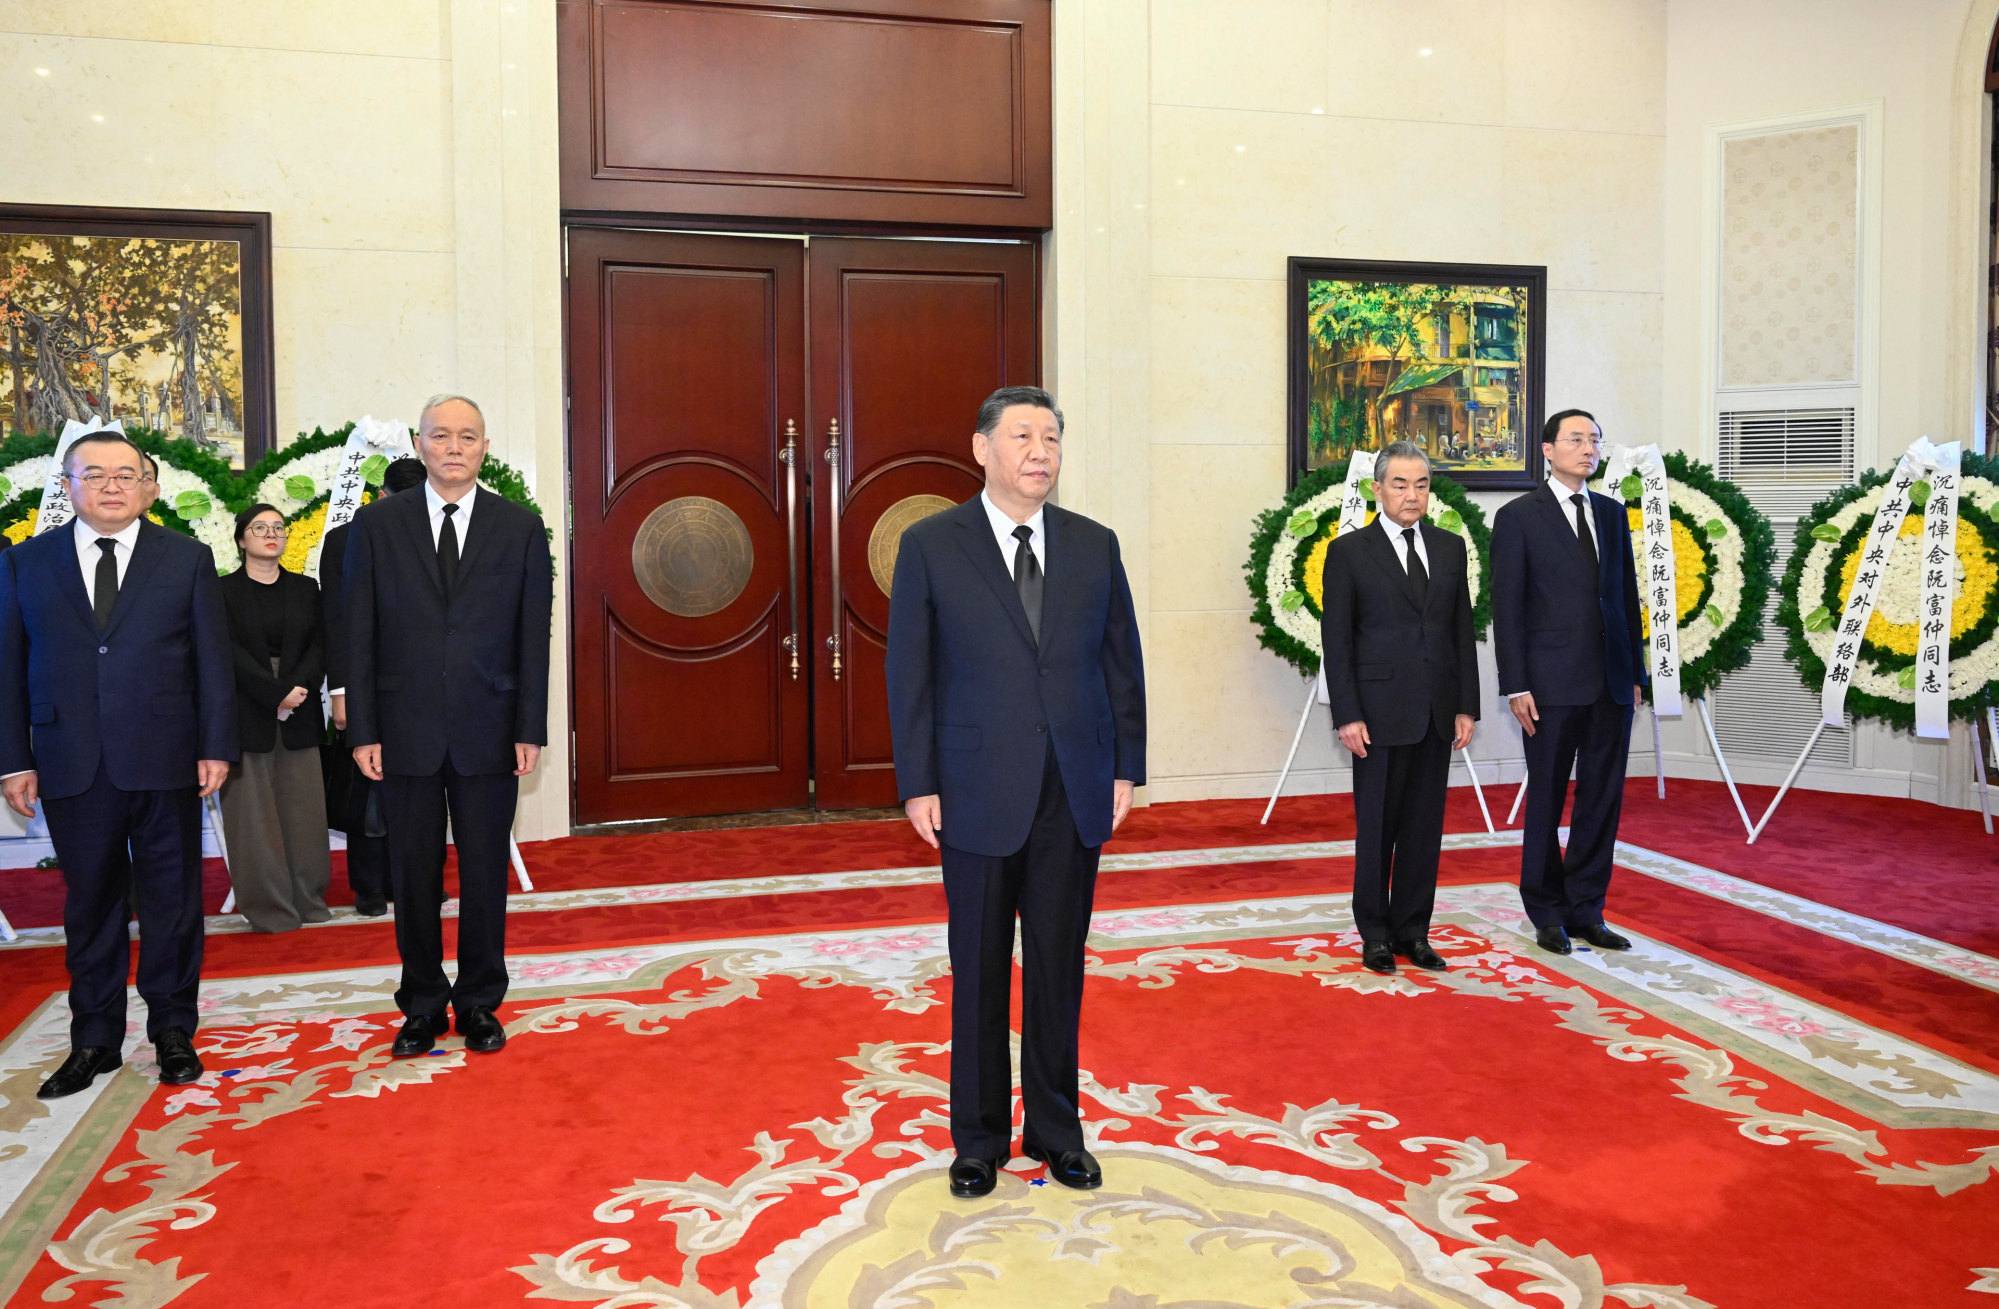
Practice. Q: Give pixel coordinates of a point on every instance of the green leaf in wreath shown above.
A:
(192, 505)
(6, 488)
(1716, 528)
(300, 487)
(1292, 601)
(1303, 523)
(1825, 532)
(373, 468)
(1713, 615)
(1919, 495)
(1632, 487)
(1906, 679)
(1367, 489)
(1451, 520)
(1818, 620)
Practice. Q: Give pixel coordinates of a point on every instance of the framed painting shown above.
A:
(1449, 356)
(160, 317)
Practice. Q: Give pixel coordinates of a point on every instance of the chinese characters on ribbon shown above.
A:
(1658, 576)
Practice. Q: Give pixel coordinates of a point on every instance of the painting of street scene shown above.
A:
(1452, 366)
(134, 327)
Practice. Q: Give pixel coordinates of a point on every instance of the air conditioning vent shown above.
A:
(1786, 460)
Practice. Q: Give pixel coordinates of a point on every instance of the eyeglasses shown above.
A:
(266, 531)
(1578, 442)
(98, 481)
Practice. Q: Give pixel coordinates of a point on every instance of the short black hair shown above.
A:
(249, 516)
(100, 438)
(150, 465)
(1005, 398)
(402, 474)
(1553, 426)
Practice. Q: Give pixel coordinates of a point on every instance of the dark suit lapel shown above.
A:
(976, 536)
(477, 532)
(1059, 577)
(146, 551)
(1441, 577)
(69, 575)
(1606, 539)
(1564, 514)
(415, 517)
(1390, 560)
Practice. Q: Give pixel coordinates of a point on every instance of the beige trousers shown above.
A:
(274, 816)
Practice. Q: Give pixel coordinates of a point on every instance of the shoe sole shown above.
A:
(1042, 1159)
(81, 1089)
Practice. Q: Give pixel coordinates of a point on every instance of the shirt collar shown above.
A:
(127, 536)
(1394, 532)
(1561, 490)
(434, 503)
(1004, 525)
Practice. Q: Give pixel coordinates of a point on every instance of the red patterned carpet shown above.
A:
(1787, 1095)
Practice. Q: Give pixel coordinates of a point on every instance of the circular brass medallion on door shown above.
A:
(886, 539)
(693, 556)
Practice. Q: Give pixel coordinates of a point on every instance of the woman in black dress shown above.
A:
(274, 803)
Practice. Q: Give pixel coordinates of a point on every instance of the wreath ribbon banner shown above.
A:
(56, 507)
(1939, 579)
(1353, 515)
(1921, 465)
(1657, 568)
(370, 439)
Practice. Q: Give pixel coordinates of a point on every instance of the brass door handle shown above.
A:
(790, 457)
(833, 498)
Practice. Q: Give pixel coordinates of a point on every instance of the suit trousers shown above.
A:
(1050, 883)
(121, 850)
(480, 810)
(1398, 804)
(1568, 889)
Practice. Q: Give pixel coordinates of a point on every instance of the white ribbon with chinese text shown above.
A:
(1353, 517)
(1939, 581)
(57, 509)
(369, 438)
(1658, 575)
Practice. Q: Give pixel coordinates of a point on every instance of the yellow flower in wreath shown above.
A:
(306, 530)
(1690, 569)
(1315, 565)
(24, 529)
(1893, 626)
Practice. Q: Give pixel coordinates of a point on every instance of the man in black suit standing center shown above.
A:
(1017, 705)
(1402, 671)
(1571, 660)
(448, 596)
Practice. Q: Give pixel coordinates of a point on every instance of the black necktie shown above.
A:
(447, 550)
(1419, 576)
(105, 593)
(1583, 532)
(1027, 577)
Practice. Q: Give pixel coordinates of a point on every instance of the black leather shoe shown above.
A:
(371, 908)
(1552, 939)
(972, 1177)
(1377, 956)
(179, 1064)
(482, 1032)
(79, 1071)
(1418, 952)
(420, 1032)
(1075, 1169)
(1600, 936)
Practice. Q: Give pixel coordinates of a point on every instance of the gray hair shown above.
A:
(445, 398)
(1001, 400)
(1398, 450)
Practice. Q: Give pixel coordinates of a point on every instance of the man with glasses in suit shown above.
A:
(1565, 625)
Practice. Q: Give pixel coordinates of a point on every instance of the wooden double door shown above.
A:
(753, 422)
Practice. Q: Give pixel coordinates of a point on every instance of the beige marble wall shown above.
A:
(406, 152)
(1529, 131)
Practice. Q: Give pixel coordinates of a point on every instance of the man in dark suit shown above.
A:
(118, 712)
(447, 597)
(1402, 670)
(1565, 625)
(1017, 706)
(367, 851)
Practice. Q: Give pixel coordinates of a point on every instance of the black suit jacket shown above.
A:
(1399, 667)
(332, 563)
(974, 701)
(427, 679)
(149, 697)
(1553, 634)
(301, 662)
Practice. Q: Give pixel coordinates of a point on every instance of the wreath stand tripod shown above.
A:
(1978, 775)
(1659, 769)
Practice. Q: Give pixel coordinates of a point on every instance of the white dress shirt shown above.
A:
(87, 553)
(1401, 543)
(462, 520)
(1562, 493)
(1003, 533)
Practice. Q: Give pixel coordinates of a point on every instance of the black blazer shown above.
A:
(1552, 637)
(427, 679)
(162, 667)
(301, 662)
(332, 560)
(973, 701)
(1398, 667)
